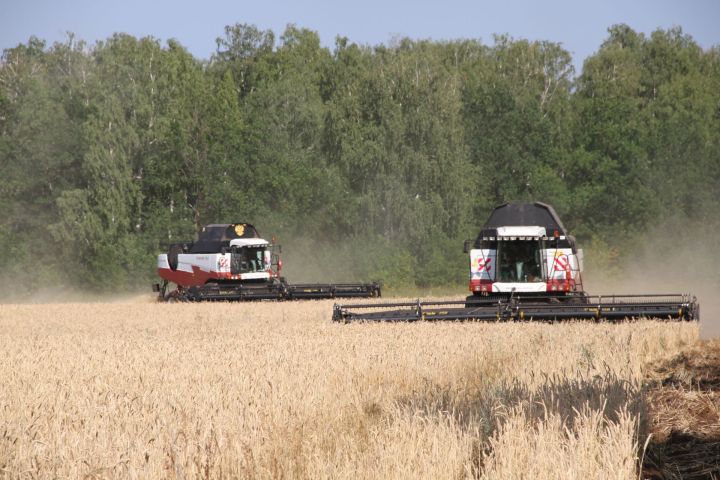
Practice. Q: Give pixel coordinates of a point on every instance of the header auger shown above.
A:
(231, 262)
(525, 266)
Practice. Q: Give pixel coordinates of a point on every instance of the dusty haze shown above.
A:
(672, 259)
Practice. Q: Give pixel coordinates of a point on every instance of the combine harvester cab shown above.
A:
(232, 262)
(525, 251)
(525, 266)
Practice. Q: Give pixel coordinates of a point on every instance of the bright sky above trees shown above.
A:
(579, 25)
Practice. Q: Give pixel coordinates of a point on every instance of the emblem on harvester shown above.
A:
(240, 229)
(561, 262)
(483, 264)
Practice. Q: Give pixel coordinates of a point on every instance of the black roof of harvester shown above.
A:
(522, 215)
(214, 237)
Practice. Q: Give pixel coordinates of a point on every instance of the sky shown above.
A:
(580, 26)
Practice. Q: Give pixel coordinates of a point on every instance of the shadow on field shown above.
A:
(678, 407)
(682, 456)
(481, 407)
(681, 420)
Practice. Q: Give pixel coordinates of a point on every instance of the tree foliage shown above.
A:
(386, 156)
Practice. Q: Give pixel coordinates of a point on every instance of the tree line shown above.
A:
(369, 162)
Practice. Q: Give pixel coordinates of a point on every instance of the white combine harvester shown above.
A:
(232, 262)
(525, 266)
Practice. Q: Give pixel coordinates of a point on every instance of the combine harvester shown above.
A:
(232, 262)
(525, 266)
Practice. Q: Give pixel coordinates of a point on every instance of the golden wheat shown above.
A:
(276, 390)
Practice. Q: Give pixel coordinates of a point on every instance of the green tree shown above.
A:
(40, 148)
(518, 121)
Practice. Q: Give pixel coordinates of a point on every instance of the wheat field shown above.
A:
(277, 390)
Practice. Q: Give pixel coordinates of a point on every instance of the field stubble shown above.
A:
(144, 390)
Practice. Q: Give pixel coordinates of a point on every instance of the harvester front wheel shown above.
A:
(695, 313)
(470, 300)
(172, 256)
(581, 299)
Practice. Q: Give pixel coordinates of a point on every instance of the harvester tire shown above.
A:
(470, 299)
(172, 256)
(578, 300)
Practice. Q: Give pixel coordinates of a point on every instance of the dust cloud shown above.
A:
(65, 294)
(307, 260)
(674, 258)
